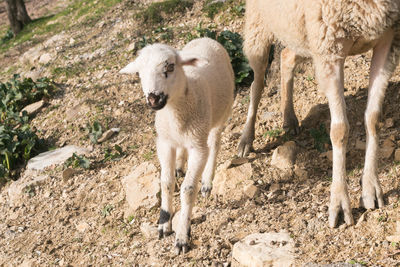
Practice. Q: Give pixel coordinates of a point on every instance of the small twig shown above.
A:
(394, 253)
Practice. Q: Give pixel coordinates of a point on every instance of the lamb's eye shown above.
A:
(170, 67)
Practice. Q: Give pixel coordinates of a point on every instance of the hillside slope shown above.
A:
(84, 220)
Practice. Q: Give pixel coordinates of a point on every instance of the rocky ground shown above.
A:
(83, 218)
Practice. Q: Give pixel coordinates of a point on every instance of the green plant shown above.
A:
(321, 138)
(110, 155)
(274, 133)
(106, 211)
(144, 42)
(17, 141)
(8, 36)
(148, 155)
(95, 131)
(76, 161)
(154, 12)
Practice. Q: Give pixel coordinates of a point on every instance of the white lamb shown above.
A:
(327, 31)
(193, 91)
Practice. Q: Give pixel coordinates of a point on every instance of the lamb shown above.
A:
(192, 91)
(327, 31)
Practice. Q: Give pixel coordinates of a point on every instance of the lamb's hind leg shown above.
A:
(189, 189)
(256, 47)
(181, 157)
(214, 142)
(330, 79)
(289, 60)
(383, 63)
(166, 154)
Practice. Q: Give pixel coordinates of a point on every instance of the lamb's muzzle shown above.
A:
(157, 102)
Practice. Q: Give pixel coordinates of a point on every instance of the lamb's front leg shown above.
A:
(166, 154)
(189, 189)
(330, 78)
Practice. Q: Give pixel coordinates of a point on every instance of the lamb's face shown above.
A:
(159, 74)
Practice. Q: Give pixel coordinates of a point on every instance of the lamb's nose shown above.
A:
(153, 99)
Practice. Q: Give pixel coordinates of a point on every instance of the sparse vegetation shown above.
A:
(158, 11)
(94, 131)
(77, 161)
(109, 153)
(321, 138)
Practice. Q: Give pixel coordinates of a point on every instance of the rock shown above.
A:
(107, 135)
(397, 155)
(389, 123)
(268, 116)
(32, 55)
(360, 145)
(148, 230)
(230, 183)
(16, 189)
(387, 148)
(141, 186)
(336, 264)
(393, 238)
(68, 173)
(45, 58)
(132, 47)
(54, 157)
(82, 227)
(238, 161)
(28, 263)
(284, 156)
(398, 227)
(267, 249)
(301, 173)
(251, 191)
(33, 108)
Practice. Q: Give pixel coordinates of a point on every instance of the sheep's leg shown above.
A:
(189, 189)
(214, 142)
(258, 63)
(181, 157)
(289, 60)
(383, 64)
(166, 154)
(330, 78)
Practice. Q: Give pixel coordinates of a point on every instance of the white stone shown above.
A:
(107, 135)
(360, 145)
(16, 189)
(33, 108)
(141, 186)
(45, 58)
(268, 249)
(82, 227)
(54, 157)
(284, 156)
(230, 183)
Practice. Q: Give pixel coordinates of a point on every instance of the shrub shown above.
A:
(17, 141)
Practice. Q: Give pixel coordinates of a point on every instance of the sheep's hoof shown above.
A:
(205, 190)
(372, 200)
(162, 233)
(291, 126)
(181, 246)
(245, 146)
(179, 173)
(337, 206)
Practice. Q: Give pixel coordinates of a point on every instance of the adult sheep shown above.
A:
(192, 91)
(327, 31)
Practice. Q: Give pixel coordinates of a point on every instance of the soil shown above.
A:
(83, 220)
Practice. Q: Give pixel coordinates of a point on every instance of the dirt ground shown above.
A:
(82, 220)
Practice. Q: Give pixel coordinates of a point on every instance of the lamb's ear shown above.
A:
(192, 60)
(131, 68)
